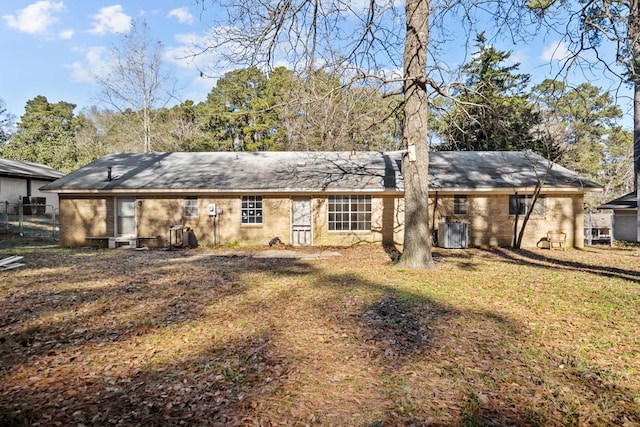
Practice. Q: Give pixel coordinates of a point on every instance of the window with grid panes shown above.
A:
(251, 210)
(350, 213)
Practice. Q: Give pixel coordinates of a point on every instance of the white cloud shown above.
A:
(196, 53)
(557, 51)
(111, 20)
(187, 54)
(35, 18)
(95, 63)
(182, 15)
(195, 64)
(66, 34)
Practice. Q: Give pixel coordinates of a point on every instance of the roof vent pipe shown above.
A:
(109, 178)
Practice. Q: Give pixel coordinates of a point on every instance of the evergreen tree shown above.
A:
(46, 134)
(580, 121)
(492, 111)
(239, 113)
(6, 123)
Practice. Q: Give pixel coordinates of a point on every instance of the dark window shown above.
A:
(520, 205)
(460, 205)
(350, 213)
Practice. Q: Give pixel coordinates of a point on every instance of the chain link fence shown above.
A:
(33, 219)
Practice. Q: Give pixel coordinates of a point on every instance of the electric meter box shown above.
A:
(212, 209)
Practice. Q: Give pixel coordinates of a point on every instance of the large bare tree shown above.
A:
(370, 42)
(137, 83)
(417, 244)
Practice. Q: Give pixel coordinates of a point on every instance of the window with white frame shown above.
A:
(251, 210)
(520, 205)
(460, 205)
(350, 213)
(190, 207)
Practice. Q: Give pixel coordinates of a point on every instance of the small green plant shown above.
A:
(535, 417)
(471, 411)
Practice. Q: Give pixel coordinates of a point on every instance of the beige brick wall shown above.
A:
(275, 221)
(489, 221)
(491, 225)
(156, 215)
(82, 217)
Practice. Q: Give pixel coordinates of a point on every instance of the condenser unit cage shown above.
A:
(453, 235)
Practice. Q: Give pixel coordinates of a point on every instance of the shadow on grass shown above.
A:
(539, 259)
(277, 341)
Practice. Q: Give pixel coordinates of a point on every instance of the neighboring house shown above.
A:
(597, 228)
(625, 218)
(311, 198)
(21, 181)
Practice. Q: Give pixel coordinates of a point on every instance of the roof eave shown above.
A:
(512, 190)
(95, 191)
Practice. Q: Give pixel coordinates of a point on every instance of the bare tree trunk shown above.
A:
(534, 200)
(634, 37)
(514, 240)
(417, 241)
(146, 117)
(636, 152)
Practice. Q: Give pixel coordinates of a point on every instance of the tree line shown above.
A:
(247, 110)
(252, 110)
(492, 109)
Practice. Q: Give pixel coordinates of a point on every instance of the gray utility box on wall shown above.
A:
(453, 235)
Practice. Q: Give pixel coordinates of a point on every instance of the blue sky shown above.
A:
(51, 46)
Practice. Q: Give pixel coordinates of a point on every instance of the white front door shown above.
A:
(126, 217)
(301, 222)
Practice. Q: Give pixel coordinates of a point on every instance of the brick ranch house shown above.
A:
(310, 198)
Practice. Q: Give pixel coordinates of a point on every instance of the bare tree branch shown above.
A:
(137, 82)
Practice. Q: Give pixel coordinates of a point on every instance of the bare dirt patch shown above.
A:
(219, 337)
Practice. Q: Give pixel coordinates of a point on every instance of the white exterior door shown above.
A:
(301, 222)
(126, 217)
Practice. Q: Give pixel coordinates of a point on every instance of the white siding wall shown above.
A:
(52, 198)
(624, 226)
(12, 188)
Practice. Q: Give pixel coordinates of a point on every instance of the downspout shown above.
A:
(434, 230)
(515, 222)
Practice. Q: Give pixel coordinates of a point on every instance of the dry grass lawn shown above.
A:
(217, 337)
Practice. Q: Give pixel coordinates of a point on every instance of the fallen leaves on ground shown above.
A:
(216, 337)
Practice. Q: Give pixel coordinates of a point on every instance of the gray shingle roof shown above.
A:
(244, 171)
(461, 170)
(627, 202)
(17, 168)
(308, 172)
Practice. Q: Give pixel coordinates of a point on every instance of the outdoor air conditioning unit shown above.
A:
(453, 235)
